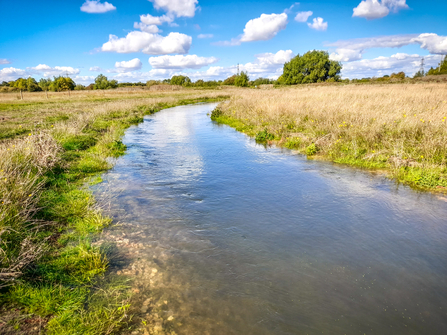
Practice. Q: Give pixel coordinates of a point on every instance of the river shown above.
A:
(229, 237)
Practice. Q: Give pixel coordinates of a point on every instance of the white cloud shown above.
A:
(95, 69)
(376, 9)
(155, 20)
(181, 62)
(94, 6)
(434, 43)
(129, 66)
(84, 80)
(179, 8)
(380, 66)
(48, 71)
(264, 27)
(4, 61)
(148, 28)
(268, 64)
(205, 36)
(11, 73)
(351, 50)
(151, 44)
(303, 16)
(318, 24)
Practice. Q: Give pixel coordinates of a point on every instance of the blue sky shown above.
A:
(140, 40)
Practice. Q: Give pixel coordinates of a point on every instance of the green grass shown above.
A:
(68, 285)
(423, 175)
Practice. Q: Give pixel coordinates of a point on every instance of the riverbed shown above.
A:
(227, 236)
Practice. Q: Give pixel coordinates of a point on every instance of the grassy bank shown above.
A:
(399, 128)
(52, 272)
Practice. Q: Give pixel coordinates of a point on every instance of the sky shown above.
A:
(140, 40)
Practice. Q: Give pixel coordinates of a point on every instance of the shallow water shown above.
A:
(244, 239)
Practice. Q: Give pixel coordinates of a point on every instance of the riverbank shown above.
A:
(52, 273)
(399, 128)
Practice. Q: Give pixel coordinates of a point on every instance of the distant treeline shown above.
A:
(312, 67)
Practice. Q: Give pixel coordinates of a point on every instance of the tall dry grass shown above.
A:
(375, 125)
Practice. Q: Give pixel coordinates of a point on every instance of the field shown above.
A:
(53, 274)
(399, 128)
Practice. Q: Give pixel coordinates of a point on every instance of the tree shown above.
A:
(242, 80)
(441, 69)
(230, 80)
(44, 84)
(399, 75)
(312, 67)
(102, 83)
(31, 85)
(180, 80)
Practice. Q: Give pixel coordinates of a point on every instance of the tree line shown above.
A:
(311, 67)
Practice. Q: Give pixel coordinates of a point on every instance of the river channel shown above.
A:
(229, 237)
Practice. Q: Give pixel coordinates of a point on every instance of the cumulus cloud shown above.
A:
(205, 36)
(151, 44)
(95, 69)
(380, 66)
(48, 71)
(95, 6)
(148, 28)
(351, 50)
(318, 24)
(129, 66)
(433, 43)
(4, 61)
(303, 16)
(376, 9)
(149, 23)
(155, 20)
(268, 64)
(264, 27)
(178, 8)
(11, 73)
(181, 62)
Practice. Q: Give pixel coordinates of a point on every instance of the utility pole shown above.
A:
(421, 69)
(238, 69)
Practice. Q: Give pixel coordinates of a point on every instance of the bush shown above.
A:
(264, 136)
(311, 150)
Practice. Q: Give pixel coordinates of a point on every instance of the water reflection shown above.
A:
(231, 238)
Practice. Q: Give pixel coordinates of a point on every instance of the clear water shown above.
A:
(254, 240)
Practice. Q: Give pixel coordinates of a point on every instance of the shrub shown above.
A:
(264, 136)
(311, 150)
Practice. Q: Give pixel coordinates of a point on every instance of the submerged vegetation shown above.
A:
(399, 128)
(52, 271)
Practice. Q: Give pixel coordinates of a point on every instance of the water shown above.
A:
(236, 238)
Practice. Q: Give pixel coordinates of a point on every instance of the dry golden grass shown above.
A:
(365, 125)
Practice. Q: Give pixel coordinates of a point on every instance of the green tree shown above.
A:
(102, 83)
(312, 67)
(180, 80)
(21, 84)
(31, 85)
(441, 69)
(230, 80)
(44, 84)
(242, 79)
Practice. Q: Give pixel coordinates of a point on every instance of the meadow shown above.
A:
(53, 274)
(400, 129)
